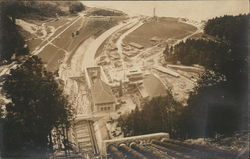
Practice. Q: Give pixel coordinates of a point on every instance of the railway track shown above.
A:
(168, 149)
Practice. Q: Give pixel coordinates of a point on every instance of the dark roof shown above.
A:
(101, 92)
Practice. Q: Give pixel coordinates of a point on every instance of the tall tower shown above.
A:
(154, 13)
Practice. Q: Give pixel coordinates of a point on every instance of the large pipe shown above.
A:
(130, 152)
(175, 147)
(169, 152)
(115, 153)
(209, 151)
(148, 152)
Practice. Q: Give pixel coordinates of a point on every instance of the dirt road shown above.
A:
(134, 25)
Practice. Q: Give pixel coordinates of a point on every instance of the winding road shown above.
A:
(119, 41)
(76, 89)
(84, 57)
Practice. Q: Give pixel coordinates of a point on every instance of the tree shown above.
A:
(76, 7)
(212, 107)
(157, 115)
(216, 105)
(37, 106)
(11, 40)
(232, 29)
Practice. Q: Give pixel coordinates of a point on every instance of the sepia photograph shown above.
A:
(124, 79)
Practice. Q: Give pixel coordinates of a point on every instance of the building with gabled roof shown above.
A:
(103, 98)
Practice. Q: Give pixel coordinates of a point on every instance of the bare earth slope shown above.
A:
(163, 28)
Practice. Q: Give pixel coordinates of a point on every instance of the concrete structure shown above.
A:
(167, 71)
(135, 139)
(92, 73)
(195, 68)
(85, 142)
(135, 45)
(114, 56)
(135, 78)
(160, 146)
(134, 75)
(101, 133)
(130, 53)
(155, 39)
(151, 87)
(104, 61)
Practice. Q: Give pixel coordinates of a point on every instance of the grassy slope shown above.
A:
(164, 28)
(87, 27)
(36, 12)
(93, 28)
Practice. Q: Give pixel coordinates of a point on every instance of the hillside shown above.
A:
(12, 36)
(165, 29)
(39, 9)
(217, 106)
(104, 12)
(10, 39)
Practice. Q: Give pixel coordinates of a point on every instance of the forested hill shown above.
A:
(232, 45)
(231, 28)
(10, 39)
(225, 101)
(39, 9)
(218, 104)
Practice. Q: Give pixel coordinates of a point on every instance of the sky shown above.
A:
(195, 10)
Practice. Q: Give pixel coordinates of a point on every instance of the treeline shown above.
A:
(218, 104)
(227, 56)
(40, 9)
(104, 12)
(38, 115)
(211, 110)
(76, 7)
(232, 33)
(157, 115)
(10, 39)
(233, 29)
(207, 53)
